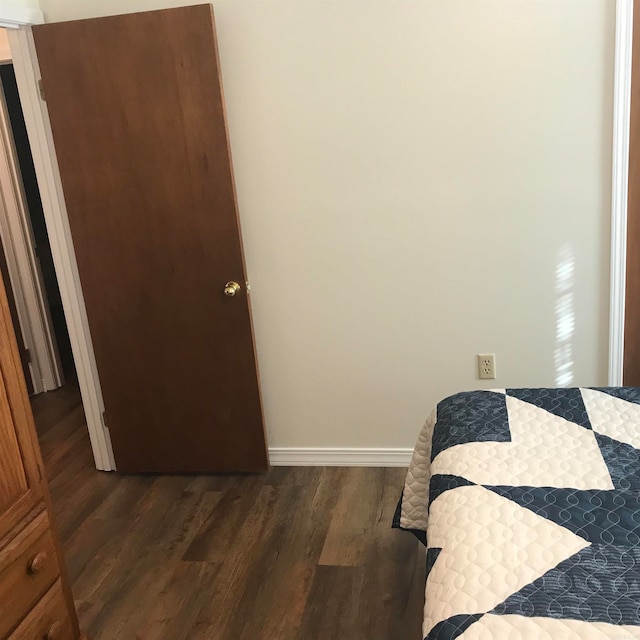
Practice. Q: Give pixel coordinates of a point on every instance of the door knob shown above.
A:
(231, 289)
(53, 632)
(37, 563)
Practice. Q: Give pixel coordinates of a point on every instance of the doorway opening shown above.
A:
(17, 46)
(26, 262)
(38, 228)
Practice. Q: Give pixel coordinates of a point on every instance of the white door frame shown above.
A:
(27, 71)
(620, 186)
(35, 328)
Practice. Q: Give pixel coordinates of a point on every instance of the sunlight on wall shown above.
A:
(565, 317)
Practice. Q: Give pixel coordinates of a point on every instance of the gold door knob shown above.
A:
(231, 289)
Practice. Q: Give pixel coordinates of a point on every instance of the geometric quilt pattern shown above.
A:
(529, 503)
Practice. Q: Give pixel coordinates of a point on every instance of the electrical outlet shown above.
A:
(487, 366)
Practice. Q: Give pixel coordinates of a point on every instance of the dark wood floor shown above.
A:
(298, 553)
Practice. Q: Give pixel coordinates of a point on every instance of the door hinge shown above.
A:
(27, 355)
(41, 89)
(104, 419)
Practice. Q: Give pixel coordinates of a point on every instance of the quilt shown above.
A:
(528, 501)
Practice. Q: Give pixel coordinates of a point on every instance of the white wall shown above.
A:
(418, 182)
(21, 11)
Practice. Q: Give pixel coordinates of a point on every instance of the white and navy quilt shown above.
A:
(528, 501)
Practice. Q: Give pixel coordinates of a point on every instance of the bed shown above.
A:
(528, 501)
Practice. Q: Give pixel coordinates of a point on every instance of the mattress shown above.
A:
(528, 501)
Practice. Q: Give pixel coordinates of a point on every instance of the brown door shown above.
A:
(138, 121)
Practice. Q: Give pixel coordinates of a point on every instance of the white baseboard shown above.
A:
(347, 457)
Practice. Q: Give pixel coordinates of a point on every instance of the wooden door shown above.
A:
(138, 120)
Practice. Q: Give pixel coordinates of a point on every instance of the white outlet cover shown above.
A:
(487, 366)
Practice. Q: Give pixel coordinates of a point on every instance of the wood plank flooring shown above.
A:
(297, 553)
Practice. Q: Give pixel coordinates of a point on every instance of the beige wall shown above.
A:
(8, 6)
(418, 182)
(21, 11)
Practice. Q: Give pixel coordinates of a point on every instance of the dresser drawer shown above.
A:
(28, 568)
(49, 619)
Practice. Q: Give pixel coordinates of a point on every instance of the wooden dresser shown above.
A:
(35, 598)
